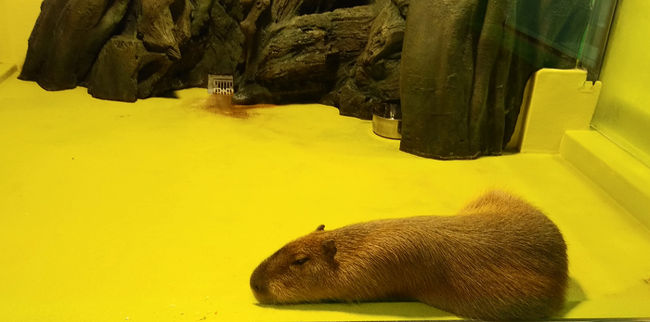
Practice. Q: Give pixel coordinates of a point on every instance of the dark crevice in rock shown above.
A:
(148, 70)
(320, 6)
(177, 8)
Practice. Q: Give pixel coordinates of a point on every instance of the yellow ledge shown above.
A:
(621, 175)
(560, 100)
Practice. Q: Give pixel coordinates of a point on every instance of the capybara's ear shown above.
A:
(329, 249)
(320, 228)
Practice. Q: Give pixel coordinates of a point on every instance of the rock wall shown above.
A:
(340, 52)
(462, 64)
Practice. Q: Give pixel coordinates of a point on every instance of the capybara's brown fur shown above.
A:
(498, 259)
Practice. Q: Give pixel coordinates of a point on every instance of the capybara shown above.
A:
(499, 258)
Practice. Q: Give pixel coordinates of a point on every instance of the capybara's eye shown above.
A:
(300, 261)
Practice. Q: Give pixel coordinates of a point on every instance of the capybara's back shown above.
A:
(504, 259)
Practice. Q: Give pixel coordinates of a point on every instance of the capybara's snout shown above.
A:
(259, 285)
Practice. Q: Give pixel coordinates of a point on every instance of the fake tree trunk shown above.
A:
(465, 64)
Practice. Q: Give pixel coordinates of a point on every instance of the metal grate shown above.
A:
(221, 84)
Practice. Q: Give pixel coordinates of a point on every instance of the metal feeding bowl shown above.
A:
(387, 127)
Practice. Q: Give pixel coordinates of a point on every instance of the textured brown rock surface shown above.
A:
(307, 50)
(66, 39)
(338, 51)
(129, 49)
(456, 74)
(371, 84)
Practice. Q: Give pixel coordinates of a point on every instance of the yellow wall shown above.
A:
(623, 112)
(17, 19)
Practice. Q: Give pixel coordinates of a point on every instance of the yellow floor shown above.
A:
(160, 210)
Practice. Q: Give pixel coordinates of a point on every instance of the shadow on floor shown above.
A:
(397, 309)
(574, 296)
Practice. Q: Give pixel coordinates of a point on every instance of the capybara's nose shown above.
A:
(258, 288)
(256, 283)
